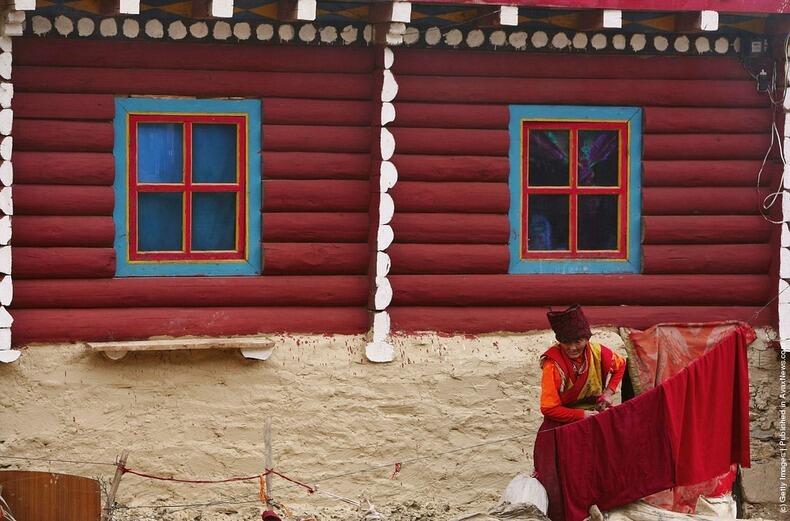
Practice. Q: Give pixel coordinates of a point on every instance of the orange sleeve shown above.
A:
(550, 404)
(618, 371)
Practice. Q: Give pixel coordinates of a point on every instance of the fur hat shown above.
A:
(570, 324)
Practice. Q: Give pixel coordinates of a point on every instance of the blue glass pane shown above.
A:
(548, 222)
(213, 221)
(599, 161)
(160, 153)
(159, 216)
(213, 153)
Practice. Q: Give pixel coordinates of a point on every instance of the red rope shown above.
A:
(286, 478)
(198, 481)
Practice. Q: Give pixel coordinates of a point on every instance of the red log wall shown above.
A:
(706, 251)
(316, 142)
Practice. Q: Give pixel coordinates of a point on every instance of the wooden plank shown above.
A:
(36, 105)
(671, 173)
(177, 344)
(59, 168)
(719, 229)
(140, 54)
(707, 259)
(451, 197)
(53, 325)
(451, 168)
(596, 289)
(297, 138)
(315, 227)
(63, 263)
(63, 200)
(705, 146)
(82, 231)
(316, 196)
(182, 292)
(315, 165)
(700, 201)
(428, 62)
(478, 320)
(448, 258)
(315, 259)
(201, 83)
(745, 6)
(450, 141)
(450, 228)
(47, 496)
(62, 136)
(659, 92)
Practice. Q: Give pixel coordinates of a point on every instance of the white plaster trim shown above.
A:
(14, 24)
(612, 19)
(709, 20)
(130, 7)
(508, 15)
(222, 8)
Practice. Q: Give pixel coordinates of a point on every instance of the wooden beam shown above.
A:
(117, 350)
(296, 10)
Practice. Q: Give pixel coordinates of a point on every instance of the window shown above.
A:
(575, 189)
(187, 187)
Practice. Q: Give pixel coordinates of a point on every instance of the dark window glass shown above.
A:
(213, 221)
(160, 153)
(598, 158)
(213, 153)
(597, 217)
(548, 157)
(548, 222)
(159, 221)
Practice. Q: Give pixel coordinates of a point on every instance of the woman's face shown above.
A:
(576, 348)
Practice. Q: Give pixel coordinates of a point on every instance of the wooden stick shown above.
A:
(267, 444)
(116, 480)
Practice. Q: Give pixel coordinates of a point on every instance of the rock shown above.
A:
(761, 482)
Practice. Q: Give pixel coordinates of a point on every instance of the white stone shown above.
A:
(682, 44)
(384, 237)
(508, 15)
(264, 32)
(785, 204)
(6, 94)
(387, 113)
(257, 354)
(328, 34)
(411, 36)
(154, 29)
(6, 148)
(388, 176)
(5, 260)
(379, 352)
(386, 208)
(383, 295)
(389, 58)
(64, 25)
(709, 21)
(131, 28)
(784, 326)
(5, 65)
(108, 27)
(198, 30)
(433, 36)
(736, 45)
(612, 19)
(560, 41)
(7, 200)
(349, 34)
(15, 17)
(389, 87)
(619, 42)
(6, 173)
(242, 31)
(383, 264)
(661, 43)
(286, 32)
(6, 43)
(222, 31)
(5, 318)
(40, 25)
(785, 236)
(6, 291)
(367, 33)
(475, 38)
(5, 231)
(638, 42)
(784, 292)
(702, 45)
(454, 37)
(13, 29)
(5, 341)
(540, 39)
(722, 45)
(129, 7)
(177, 30)
(518, 40)
(387, 144)
(381, 326)
(598, 41)
(498, 38)
(222, 8)
(6, 121)
(784, 259)
(85, 26)
(307, 33)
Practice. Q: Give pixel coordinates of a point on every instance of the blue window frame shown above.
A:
(187, 187)
(575, 189)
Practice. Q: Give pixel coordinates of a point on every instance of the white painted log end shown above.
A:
(108, 27)
(389, 58)
(25, 5)
(383, 264)
(389, 87)
(386, 208)
(257, 354)
(5, 260)
(6, 291)
(380, 352)
(401, 12)
(7, 200)
(612, 19)
(5, 65)
(387, 144)
(784, 263)
(5, 318)
(453, 37)
(9, 356)
(387, 113)
(785, 236)
(130, 7)
(5, 339)
(308, 33)
(475, 38)
(383, 296)
(6, 121)
(154, 29)
(349, 34)
(6, 148)
(306, 10)
(384, 238)
(784, 292)
(6, 173)
(381, 326)
(508, 15)
(5, 230)
(13, 29)
(6, 94)
(388, 176)
(222, 30)
(709, 20)
(222, 8)
(115, 355)
(785, 206)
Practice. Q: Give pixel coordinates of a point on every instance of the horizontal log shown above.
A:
(448, 258)
(719, 229)
(451, 197)
(478, 320)
(450, 228)
(180, 292)
(658, 92)
(315, 227)
(182, 55)
(706, 173)
(450, 141)
(498, 64)
(202, 83)
(63, 200)
(57, 325)
(48, 231)
(64, 168)
(296, 138)
(687, 120)
(315, 259)
(707, 259)
(451, 168)
(700, 201)
(63, 263)
(597, 290)
(36, 105)
(288, 111)
(42, 135)
(316, 196)
(315, 165)
(705, 146)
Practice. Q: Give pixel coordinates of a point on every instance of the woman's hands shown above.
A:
(589, 414)
(604, 401)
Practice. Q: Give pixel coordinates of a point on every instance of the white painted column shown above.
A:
(12, 27)
(380, 349)
(784, 252)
